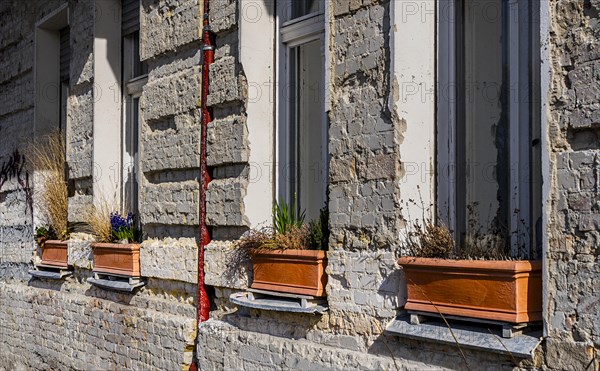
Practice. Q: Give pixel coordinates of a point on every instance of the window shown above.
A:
(489, 177)
(51, 69)
(134, 77)
(64, 62)
(302, 128)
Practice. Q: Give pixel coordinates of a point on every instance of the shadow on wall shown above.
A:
(435, 355)
(287, 325)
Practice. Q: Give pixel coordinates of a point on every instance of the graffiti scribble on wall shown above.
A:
(14, 168)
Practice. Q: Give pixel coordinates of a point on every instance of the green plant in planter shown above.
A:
(43, 234)
(285, 218)
(318, 238)
(289, 231)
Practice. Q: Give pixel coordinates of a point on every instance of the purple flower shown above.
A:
(119, 222)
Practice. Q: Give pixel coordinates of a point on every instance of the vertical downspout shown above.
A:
(208, 56)
(207, 59)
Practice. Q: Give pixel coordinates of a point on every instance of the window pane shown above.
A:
(131, 155)
(139, 68)
(483, 129)
(65, 54)
(309, 131)
(304, 7)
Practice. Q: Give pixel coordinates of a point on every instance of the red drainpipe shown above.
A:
(208, 56)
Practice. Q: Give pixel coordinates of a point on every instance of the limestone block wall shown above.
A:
(227, 142)
(573, 249)
(80, 108)
(170, 119)
(364, 141)
(17, 101)
(71, 324)
(363, 278)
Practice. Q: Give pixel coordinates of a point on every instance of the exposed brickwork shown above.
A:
(228, 134)
(168, 25)
(71, 324)
(44, 327)
(573, 252)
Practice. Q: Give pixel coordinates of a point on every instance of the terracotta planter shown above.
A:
(114, 258)
(54, 253)
(507, 291)
(291, 271)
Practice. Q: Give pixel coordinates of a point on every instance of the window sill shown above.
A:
(116, 283)
(279, 302)
(49, 272)
(468, 336)
(135, 85)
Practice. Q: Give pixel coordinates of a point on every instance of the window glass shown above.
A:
(307, 163)
(483, 129)
(64, 62)
(489, 179)
(139, 68)
(131, 156)
(301, 8)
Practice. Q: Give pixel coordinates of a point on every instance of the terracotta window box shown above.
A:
(117, 259)
(299, 272)
(506, 291)
(54, 253)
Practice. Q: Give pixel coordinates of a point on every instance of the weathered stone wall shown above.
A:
(80, 108)
(71, 324)
(170, 150)
(17, 101)
(574, 220)
(363, 278)
(227, 142)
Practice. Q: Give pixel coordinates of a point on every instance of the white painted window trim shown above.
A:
(46, 68)
(107, 124)
(297, 32)
(258, 40)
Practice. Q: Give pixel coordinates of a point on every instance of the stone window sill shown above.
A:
(279, 302)
(49, 272)
(469, 335)
(116, 283)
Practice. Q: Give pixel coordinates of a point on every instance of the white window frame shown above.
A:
(520, 41)
(46, 71)
(129, 132)
(293, 33)
(47, 108)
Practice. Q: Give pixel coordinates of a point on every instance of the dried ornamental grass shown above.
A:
(47, 156)
(433, 239)
(97, 218)
(296, 238)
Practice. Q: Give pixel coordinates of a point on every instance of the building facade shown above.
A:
(484, 109)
